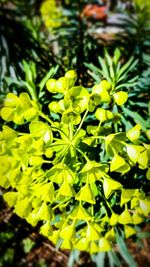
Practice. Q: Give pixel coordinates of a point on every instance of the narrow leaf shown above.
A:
(51, 73)
(124, 251)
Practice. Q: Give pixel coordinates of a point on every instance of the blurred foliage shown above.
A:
(70, 34)
(28, 244)
(141, 4)
(21, 38)
(126, 76)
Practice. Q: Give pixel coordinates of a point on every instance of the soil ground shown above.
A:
(13, 232)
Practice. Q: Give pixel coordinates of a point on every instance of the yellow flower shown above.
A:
(51, 14)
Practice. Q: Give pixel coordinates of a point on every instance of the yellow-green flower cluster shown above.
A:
(52, 175)
(51, 14)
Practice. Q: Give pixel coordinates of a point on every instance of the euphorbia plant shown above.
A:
(74, 171)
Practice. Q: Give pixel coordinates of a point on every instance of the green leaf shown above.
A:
(127, 84)
(137, 118)
(134, 151)
(4, 164)
(110, 185)
(66, 190)
(126, 195)
(109, 61)
(104, 245)
(23, 207)
(114, 219)
(4, 182)
(102, 92)
(99, 259)
(40, 129)
(113, 259)
(117, 55)
(71, 116)
(134, 133)
(67, 232)
(11, 100)
(129, 231)
(82, 244)
(45, 192)
(8, 134)
(127, 67)
(73, 257)
(86, 194)
(116, 163)
(125, 217)
(7, 113)
(92, 233)
(120, 98)
(10, 198)
(46, 229)
(50, 73)
(44, 212)
(28, 244)
(105, 69)
(80, 213)
(124, 251)
(28, 71)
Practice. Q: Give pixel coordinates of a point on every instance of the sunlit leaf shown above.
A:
(134, 133)
(10, 198)
(92, 233)
(23, 207)
(104, 245)
(109, 186)
(80, 213)
(125, 217)
(120, 98)
(129, 231)
(85, 194)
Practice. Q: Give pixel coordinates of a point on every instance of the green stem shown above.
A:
(81, 123)
(59, 204)
(47, 161)
(45, 117)
(71, 130)
(32, 91)
(96, 137)
(82, 153)
(62, 144)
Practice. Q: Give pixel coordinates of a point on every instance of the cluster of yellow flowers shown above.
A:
(51, 13)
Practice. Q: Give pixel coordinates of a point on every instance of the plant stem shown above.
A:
(81, 123)
(82, 153)
(70, 131)
(46, 117)
(59, 204)
(96, 137)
